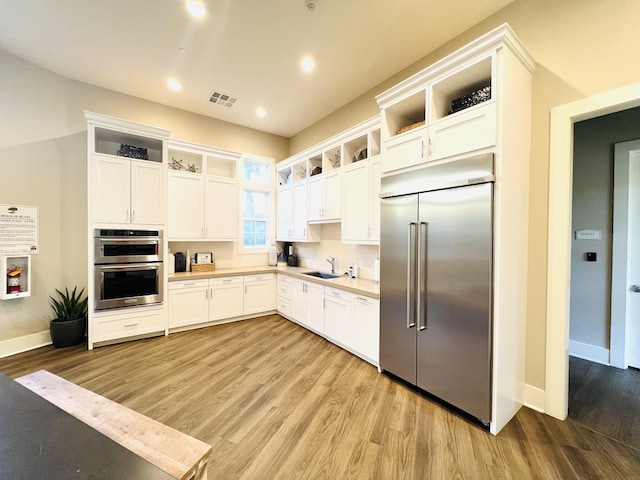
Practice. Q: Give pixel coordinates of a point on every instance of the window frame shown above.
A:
(269, 188)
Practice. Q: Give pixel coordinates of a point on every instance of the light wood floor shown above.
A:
(275, 401)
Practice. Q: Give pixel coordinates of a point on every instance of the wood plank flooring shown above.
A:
(605, 400)
(278, 402)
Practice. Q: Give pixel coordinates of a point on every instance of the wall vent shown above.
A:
(223, 99)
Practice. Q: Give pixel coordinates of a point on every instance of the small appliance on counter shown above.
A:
(292, 260)
(273, 256)
(181, 262)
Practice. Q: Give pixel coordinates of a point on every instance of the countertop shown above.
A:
(359, 286)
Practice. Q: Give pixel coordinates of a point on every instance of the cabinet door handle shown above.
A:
(133, 216)
(127, 218)
(129, 325)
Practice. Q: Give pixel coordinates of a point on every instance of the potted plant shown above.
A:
(69, 326)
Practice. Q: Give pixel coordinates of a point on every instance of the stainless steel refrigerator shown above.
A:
(436, 256)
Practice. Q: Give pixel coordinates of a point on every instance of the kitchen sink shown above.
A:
(321, 275)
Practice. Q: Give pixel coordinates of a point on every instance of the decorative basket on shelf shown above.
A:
(411, 127)
(203, 267)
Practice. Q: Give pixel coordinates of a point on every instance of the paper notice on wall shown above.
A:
(18, 230)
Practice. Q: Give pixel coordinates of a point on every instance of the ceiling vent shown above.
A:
(223, 99)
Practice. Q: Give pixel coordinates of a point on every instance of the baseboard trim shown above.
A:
(24, 343)
(589, 352)
(534, 398)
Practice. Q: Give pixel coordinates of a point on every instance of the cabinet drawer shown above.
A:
(284, 291)
(265, 277)
(215, 282)
(337, 294)
(464, 132)
(188, 284)
(284, 305)
(112, 327)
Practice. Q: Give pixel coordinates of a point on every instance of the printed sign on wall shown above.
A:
(18, 230)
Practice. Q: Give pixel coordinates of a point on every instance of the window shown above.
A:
(257, 205)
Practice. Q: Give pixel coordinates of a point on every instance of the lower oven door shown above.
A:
(128, 285)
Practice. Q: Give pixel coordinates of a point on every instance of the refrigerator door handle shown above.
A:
(422, 268)
(411, 294)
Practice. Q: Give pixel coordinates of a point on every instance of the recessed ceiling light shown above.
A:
(174, 84)
(261, 112)
(196, 8)
(307, 64)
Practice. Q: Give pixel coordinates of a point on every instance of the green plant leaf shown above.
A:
(69, 306)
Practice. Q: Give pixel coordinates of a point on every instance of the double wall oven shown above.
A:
(128, 267)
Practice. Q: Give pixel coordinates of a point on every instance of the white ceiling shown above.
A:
(250, 49)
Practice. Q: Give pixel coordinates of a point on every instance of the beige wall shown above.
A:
(43, 158)
(581, 48)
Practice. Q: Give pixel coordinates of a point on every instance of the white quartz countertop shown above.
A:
(359, 286)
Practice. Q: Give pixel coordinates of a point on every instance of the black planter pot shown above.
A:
(66, 334)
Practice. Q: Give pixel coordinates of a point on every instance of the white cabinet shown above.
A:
(405, 150)
(337, 316)
(107, 327)
(186, 206)
(284, 213)
(292, 223)
(299, 215)
(285, 295)
(127, 191)
(188, 303)
(220, 209)
(203, 193)
(325, 197)
(361, 205)
(259, 293)
(308, 304)
(467, 131)
(226, 297)
(365, 328)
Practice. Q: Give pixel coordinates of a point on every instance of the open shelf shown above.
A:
(374, 143)
(332, 158)
(460, 83)
(16, 277)
(356, 150)
(299, 171)
(108, 142)
(284, 176)
(181, 161)
(221, 167)
(315, 165)
(406, 112)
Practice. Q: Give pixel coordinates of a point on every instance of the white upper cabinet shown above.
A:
(327, 172)
(203, 192)
(127, 172)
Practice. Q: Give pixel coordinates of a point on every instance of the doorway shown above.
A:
(563, 119)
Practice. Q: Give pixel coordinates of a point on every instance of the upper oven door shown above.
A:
(127, 250)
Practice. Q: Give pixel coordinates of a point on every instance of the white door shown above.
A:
(221, 209)
(148, 195)
(625, 274)
(284, 210)
(186, 206)
(111, 189)
(299, 194)
(633, 263)
(333, 195)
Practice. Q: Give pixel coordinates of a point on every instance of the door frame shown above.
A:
(559, 234)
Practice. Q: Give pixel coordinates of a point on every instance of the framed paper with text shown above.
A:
(18, 230)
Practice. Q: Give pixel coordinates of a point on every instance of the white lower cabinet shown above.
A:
(308, 304)
(285, 295)
(337, 316)
(365, 327)
(193, 302)
(226, 297)
(188, 303)
(259, 293)
(135, 322)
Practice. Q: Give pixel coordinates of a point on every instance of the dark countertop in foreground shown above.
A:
(359, 286)
(39, 440)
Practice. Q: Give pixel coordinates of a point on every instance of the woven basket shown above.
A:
(203, 267)
(410, 127)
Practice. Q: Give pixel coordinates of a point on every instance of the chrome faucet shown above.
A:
(332, 261)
